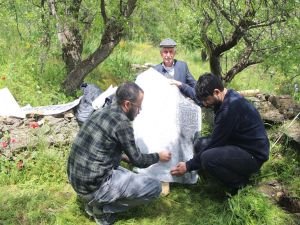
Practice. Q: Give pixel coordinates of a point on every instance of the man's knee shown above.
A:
(152, 188)
(157, 188)
(208, 160)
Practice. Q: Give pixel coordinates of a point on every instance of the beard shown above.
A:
(217, 105)
(131, 114)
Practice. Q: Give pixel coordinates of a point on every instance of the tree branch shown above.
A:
(103, 11)
(243, 62)
(17, 18)
(266, 23)
(74, 8)
(113, 32)
(121, 7)
(129, 7)
(230, 42)
(240, 28)
(208, 43)
(218, 25)
(224, 13)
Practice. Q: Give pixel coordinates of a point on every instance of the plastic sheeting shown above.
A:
(168, 120)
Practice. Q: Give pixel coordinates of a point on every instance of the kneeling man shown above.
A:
(238, 145)
(94, 169)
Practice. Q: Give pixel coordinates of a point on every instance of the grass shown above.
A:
(39, 193)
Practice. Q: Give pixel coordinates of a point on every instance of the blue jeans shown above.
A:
(123, 190)
(230, 164)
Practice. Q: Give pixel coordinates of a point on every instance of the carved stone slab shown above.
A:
(168, 120)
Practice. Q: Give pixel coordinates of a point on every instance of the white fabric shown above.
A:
(51, 109)
(8, 105)
(100, 100)
(168, 120)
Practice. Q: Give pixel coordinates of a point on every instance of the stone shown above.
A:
(168, 120)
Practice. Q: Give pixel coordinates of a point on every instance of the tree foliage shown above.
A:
(237, 34)
(153, 21)
(233, 34)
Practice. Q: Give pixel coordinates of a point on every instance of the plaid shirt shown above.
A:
(98, 147)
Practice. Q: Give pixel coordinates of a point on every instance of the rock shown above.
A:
(140, 68)
(277, 193)
(17, 134)
(292, 130)
(266, 110)
(285, 105)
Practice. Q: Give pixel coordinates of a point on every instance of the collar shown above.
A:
(165, 68)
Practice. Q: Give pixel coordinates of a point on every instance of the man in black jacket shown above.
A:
(238, 145)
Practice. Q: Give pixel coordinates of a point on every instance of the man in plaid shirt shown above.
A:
(94, 169)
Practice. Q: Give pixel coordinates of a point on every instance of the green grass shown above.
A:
(40, 194)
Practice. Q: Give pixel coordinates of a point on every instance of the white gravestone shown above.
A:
(168, 120)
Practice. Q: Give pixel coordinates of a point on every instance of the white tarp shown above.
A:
(100, 100)
(57, 109)
(51, 109)
(168, 120)
(8, 105)
(10, 108)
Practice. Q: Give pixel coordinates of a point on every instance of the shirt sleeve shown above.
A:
(126, 139)
(188, 87)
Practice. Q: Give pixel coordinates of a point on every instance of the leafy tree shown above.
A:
(76, 23)
(153, 21)
(246, 31)
(114, 15)
(287, 60)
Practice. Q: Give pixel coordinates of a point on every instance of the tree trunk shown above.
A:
(113, 32)
(71, 47)
(76, 76)
(69, 37)
(110, 39)
(215, 65)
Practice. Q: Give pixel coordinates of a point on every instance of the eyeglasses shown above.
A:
(136, 105)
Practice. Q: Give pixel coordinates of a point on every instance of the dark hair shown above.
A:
(128, 91)
(206, 85)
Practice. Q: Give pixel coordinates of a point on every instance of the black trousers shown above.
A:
(230, 164)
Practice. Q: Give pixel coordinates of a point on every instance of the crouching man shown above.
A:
(94, 169)
(238, 145)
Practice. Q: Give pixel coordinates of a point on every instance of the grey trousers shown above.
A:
(123, 190)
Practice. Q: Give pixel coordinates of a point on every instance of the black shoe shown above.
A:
(89, 210)
(105, 219)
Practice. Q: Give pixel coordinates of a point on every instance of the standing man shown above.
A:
(94, 169)
(176, 70)
(238, 145)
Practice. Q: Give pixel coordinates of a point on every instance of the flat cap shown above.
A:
(168, 42)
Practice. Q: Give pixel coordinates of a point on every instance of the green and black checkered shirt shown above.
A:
(98, 147)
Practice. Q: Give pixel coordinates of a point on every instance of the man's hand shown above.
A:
(179, 170)
(164, 156)
(175, 82)
(125, 158)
